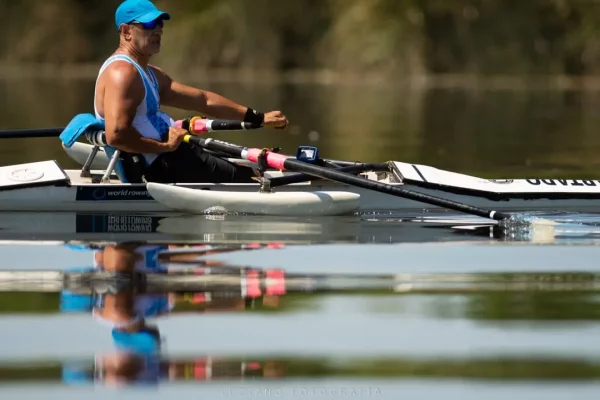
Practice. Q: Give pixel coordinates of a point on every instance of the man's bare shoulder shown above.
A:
(157, 70)
(162, 77)
(121, 72)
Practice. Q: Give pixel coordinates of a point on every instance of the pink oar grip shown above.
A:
(197, 125)
(253, 284)
(276, 286)
(274, 160)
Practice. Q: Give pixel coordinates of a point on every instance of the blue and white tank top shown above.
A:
(149, 120)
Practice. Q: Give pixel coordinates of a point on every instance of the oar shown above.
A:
(279, 161)
(196, 125)
(30, 133)
(299, 178)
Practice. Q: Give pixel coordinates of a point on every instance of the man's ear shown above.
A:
(125, 29)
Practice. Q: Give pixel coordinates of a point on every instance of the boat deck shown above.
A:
(76, 179)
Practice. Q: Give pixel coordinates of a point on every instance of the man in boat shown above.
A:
(128, 95)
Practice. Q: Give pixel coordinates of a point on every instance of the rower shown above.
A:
(130, 91)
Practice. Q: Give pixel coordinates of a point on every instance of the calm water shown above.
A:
(530, 334)
(480, 311)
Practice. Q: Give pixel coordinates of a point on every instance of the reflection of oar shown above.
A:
(255, 283)
(279, 161)
(205, 249)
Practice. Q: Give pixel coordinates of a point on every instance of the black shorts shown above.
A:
(191, 164)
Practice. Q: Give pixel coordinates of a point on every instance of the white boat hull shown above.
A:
(45, 186)
(279, 203)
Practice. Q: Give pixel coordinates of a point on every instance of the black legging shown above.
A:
(191, 164)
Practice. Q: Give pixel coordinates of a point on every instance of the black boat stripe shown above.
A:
(419, 172)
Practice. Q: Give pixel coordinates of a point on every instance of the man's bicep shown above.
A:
(183, 96)
(122, 96)
(175, 94)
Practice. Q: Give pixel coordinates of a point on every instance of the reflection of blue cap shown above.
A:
(138, 10)
(144, 341)
(76, 374)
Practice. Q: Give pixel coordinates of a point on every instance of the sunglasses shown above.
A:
(159, 22)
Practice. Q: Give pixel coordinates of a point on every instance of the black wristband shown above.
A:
(254, 116)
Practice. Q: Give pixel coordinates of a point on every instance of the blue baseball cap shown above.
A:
(139, 11)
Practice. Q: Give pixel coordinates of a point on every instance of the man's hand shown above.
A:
(175, 137)
(275, 119)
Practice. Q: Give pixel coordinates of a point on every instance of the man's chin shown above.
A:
(155, 49)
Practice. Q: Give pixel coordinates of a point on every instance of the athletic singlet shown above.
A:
(149, 120)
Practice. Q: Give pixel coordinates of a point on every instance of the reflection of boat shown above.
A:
(254, 228)
(213, 229)
(139, 226)
(80, 226)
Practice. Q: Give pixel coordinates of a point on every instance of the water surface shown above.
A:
(468, 341)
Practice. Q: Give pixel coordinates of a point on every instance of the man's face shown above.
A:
(145, 37)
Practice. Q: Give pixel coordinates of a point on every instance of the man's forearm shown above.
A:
(203, 102)
(131, 141)
(221, 107)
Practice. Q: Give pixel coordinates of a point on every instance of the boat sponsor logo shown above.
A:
(111, 194)
(562, 182)
(501, 181)
(25, 175)
(116, 223)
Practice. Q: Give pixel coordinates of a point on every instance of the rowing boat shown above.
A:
(46, 186)
(305, 185)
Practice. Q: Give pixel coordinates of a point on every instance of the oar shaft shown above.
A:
(279, 161)
(300, 177)
(299, 166)
(30, 133)
(199, 125)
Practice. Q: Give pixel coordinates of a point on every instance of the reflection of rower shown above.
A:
(137, 343)
(122, 368)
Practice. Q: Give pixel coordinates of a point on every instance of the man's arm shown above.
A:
(185, 97)
(175, 94)
(123, 92)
